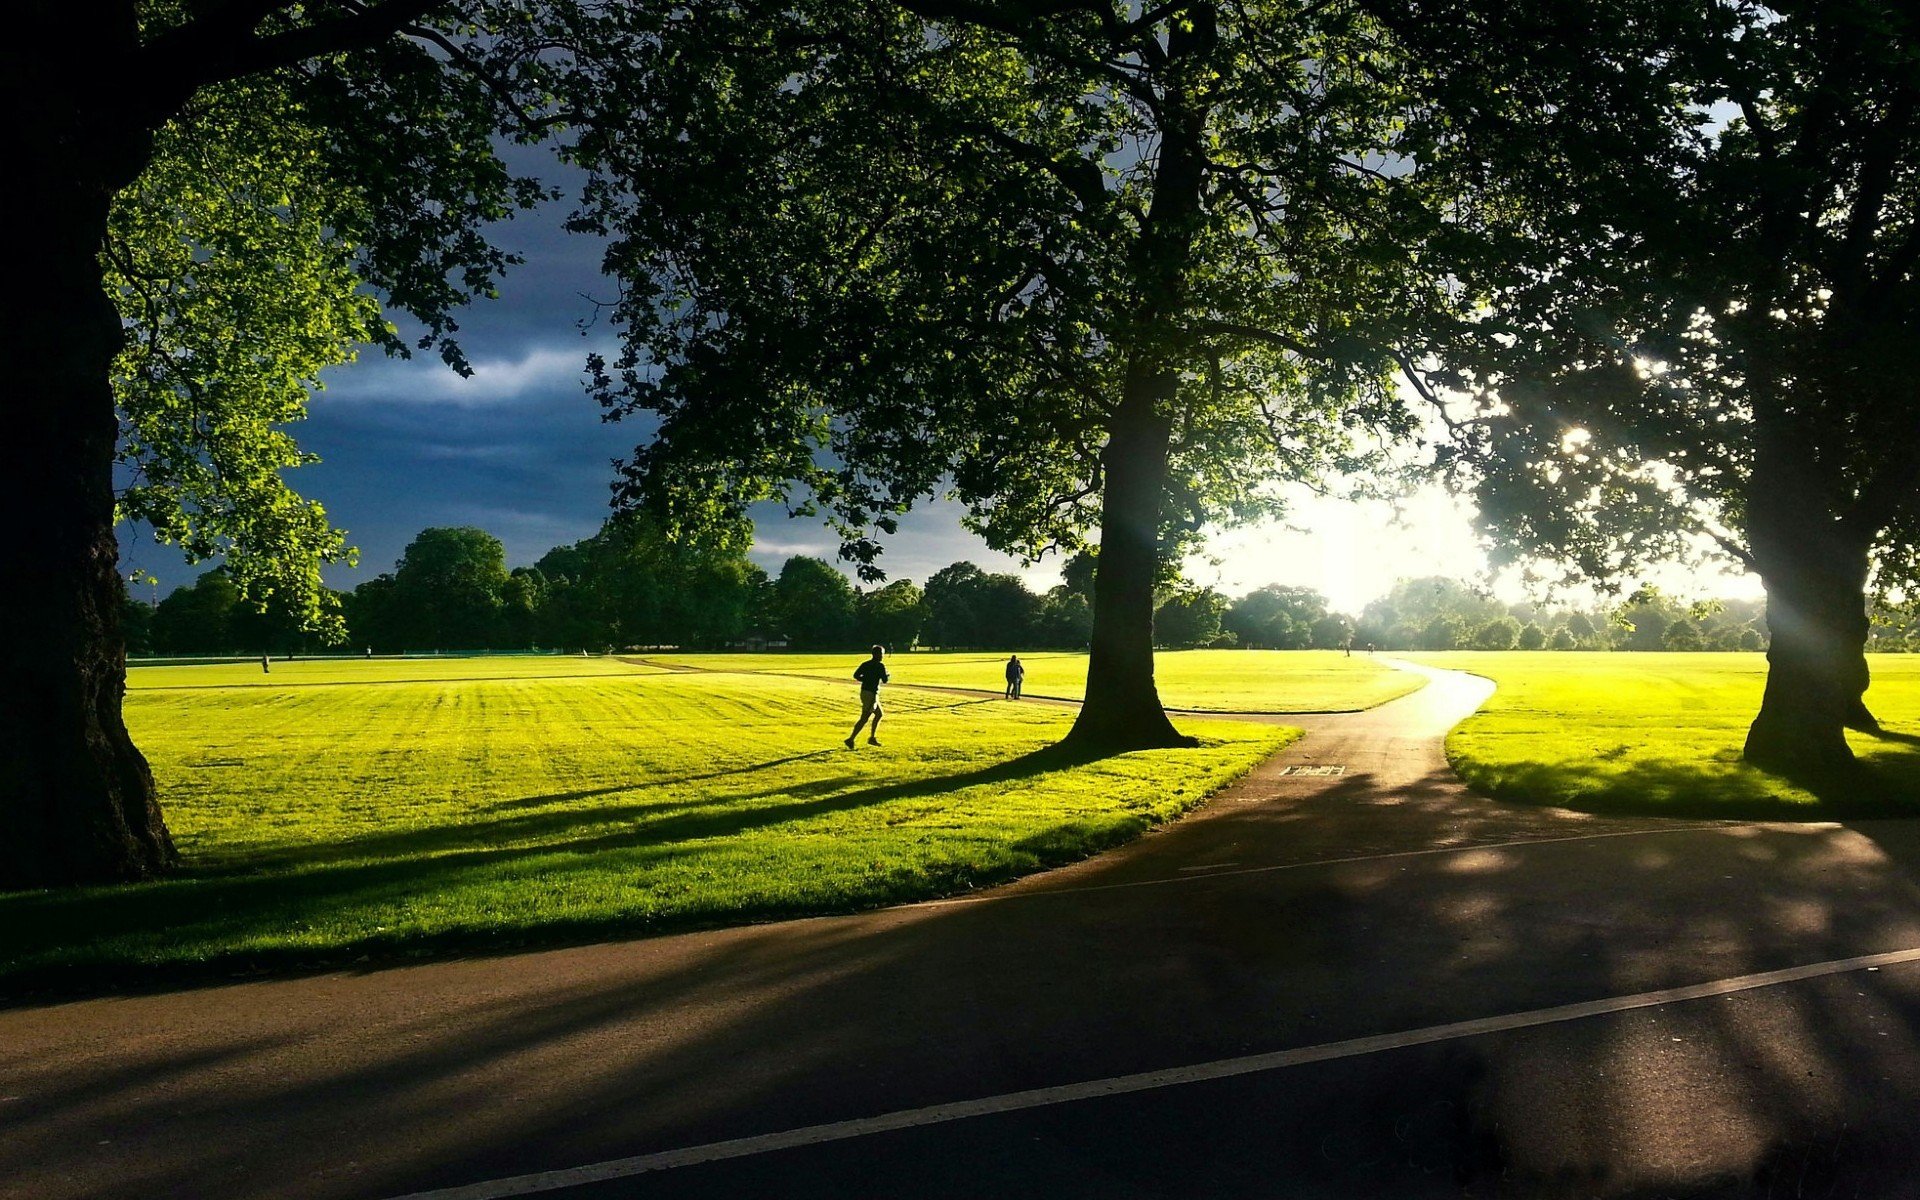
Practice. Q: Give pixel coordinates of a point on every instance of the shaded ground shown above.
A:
(1293, 911)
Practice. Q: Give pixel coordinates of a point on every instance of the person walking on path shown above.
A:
(1016, 674)
(871, 675)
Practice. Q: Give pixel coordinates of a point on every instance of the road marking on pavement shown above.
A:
(1000, 896)
(1226, 1068)
(1315, 772)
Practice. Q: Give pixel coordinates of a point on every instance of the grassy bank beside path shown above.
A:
(1660, 734)
(335, 811)
(1278, 681)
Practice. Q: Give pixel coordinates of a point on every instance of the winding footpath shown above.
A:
(1346, 975)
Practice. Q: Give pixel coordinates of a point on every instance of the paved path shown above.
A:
(1361, 916)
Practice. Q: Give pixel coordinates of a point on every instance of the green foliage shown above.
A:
(813, 605)
(1191, 618)
(1501, 633)
(278, 210)
(968, 607)
(1443, 631)
(1532, 637)
(1563, 639)
(872, 256)
(1276, 617)
(893, 616)
(236, 295)
(1691, 229)
(1332, 632)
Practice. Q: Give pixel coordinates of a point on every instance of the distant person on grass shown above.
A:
(871, 675)
(1016, 675)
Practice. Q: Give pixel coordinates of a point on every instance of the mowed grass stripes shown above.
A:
(388, 816)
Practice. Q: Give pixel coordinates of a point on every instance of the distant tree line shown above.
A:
(630, 586)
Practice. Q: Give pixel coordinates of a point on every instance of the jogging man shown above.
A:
(871, 675)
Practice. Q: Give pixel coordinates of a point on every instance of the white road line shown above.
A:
(1226, 1068)
(1039, 893)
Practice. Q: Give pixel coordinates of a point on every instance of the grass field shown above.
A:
(1661, 734)
(1293, 681)
(333, 810)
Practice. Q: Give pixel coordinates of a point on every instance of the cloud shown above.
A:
(543, 372)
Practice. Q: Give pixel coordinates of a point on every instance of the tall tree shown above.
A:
(1697, 241)
(104, 106)
(1090, 267)
(450, 585)
(814, 604)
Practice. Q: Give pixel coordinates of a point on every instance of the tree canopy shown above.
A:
(1692, 229)
(1086, 267)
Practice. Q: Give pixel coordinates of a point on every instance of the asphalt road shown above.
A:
(1125, 1026)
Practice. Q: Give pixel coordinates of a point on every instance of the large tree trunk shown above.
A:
(1815, 573)
(76, 799)
(1122, 710)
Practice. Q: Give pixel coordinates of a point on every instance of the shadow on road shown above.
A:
(1791, 1091)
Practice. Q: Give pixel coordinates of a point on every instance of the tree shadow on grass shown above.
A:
(65, 939)
(1884, 785)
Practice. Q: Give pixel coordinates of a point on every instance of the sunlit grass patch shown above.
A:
(1203, 680)
(1661, 734)
(322, 823)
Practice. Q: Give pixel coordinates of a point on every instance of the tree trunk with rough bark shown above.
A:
(1815, 573)
(1122, 710)
(76, 798)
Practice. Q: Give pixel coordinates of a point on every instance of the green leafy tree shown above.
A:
(193, 184)
(1711, 343)
(197, 619)
(1533, 637)
(1443, 631)
(450, 584)
(1091, 267)
(1191, 618)
(1066, 621)
(136, 623)
(1563, 639)
(1683, 635)
(1276, 616)
(1501, 633)
(953, 610)
(1332, 632)
(893, 615)
(520, 605)
(814, 605)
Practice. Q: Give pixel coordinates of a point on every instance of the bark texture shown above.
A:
(76, 798)
(1122, 709)
(1815, 572)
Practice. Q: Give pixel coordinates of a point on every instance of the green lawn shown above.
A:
(1289, 681)
(289, 672)
(1661, 734)
(334, 810)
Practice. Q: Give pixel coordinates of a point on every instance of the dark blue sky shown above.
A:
(518, 450)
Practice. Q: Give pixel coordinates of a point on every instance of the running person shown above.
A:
(871, 675)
